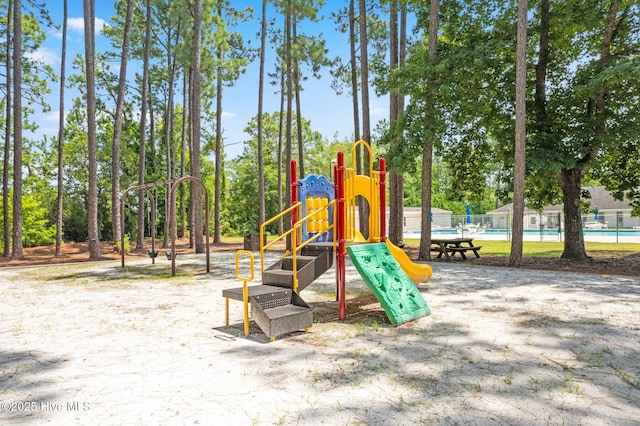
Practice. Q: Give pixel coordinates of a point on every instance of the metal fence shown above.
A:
(609, 227)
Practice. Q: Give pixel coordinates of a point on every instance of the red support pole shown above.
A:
(336, 219)
(340, 238)
(383, 200)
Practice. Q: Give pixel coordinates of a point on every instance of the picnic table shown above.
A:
(450, 246)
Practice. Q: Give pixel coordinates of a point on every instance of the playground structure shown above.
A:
(152, 200)
(323, 222)
(172, 186)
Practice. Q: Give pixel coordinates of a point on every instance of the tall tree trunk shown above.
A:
(191, 166)
(400, 109)
(364, 71)
(59, 204)
(600, 101)
(296, 82)
(90, 51)
(117, 128)
(183, 153)
(541, 69)
(16, 251)
(154, 163)
(263, 41)
(424, 252)
(181, 231)
(364, 160)
(571, 184)
(515, 257)
(289, 124)
(396, 182)
(168, 140)
(279, 154)
(218, 170)
(142, 152)
(571, 180)
(354, 70)
(7, 143)
(196, 191)
(395, 223)
(301, 172)
(152, 133)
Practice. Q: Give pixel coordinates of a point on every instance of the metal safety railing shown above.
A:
(297, 227)
(245, 289)
(296, 234)
(282, 237)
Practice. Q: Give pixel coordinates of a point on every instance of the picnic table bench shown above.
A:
(450, 246)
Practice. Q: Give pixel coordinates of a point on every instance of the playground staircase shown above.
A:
(275, 307)
(280, 312)
(314, 261)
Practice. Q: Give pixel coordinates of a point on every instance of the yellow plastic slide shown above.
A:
(418, 272)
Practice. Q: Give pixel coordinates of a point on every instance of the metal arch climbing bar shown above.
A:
(172, 218)
(142, 187)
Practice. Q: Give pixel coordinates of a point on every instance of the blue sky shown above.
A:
(329, 113)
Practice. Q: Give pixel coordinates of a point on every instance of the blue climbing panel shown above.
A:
(316, 192)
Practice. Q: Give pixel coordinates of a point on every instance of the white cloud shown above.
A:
(77, 25)
(378, 111)
(55, 33)
(52, 116)
(45, 55)
(226, 114)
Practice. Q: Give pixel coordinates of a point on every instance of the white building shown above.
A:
(611, 213)
(412, 219)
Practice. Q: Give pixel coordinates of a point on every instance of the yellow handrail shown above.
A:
(295, 231)
(245, 289)
(294, 246)
(264, 246)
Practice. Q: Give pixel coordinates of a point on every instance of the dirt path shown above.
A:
(94, 343)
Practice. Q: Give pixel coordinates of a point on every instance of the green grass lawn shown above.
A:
(530, 248)
(546, 249)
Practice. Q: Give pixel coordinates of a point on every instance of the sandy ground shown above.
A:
(96, 344)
